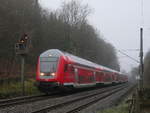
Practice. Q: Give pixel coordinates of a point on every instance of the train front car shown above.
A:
(61, 70)
(49, 70)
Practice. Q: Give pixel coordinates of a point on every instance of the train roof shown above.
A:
(76, 59)
(53, 52)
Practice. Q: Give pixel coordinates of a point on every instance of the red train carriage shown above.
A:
(57, 69)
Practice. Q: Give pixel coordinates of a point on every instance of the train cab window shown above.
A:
(48, 64)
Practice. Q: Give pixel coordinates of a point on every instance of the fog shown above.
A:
(119, 22)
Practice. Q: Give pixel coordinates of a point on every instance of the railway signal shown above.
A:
(24, 40)
(21, 48)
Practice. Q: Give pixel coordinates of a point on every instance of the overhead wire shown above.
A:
(142, 13)
(128, 56)
(121, 51)
(142, 25)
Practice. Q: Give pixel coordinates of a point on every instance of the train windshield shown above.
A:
(48, 64)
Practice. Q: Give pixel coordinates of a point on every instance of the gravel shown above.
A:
(28, 108)
(107, 102)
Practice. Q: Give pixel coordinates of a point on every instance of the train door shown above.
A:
(99, 77)
(94, 73)
(76, 76)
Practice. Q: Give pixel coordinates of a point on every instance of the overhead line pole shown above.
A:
(22, 74)
(141, 60)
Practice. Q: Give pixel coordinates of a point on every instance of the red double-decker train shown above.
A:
(58, 69)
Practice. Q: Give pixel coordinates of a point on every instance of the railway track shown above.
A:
(91, 102)
(24, 99)
(28, 99)
(81, 102)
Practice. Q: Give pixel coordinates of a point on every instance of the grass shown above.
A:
(122, 108)
(15, 89)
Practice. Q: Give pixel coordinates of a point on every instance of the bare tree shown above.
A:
(74, 13)
(67, 29)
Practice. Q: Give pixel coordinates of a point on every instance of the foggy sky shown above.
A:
(119, 22)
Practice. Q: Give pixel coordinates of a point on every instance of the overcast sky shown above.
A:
(119, 22)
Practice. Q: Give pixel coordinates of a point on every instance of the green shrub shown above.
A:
(15, 89)
(123, 108)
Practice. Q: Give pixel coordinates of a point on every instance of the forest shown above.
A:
(66, 28)
(147, 70)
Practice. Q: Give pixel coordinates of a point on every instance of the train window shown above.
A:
(68, 67)
(65, 67)
(71, 68)
(49, 59)
(101, 73)
(48, 64)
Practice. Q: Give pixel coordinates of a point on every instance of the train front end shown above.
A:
(48, 70)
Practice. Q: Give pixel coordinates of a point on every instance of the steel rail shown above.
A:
(62, 104)
(81, 107)
(24, 99)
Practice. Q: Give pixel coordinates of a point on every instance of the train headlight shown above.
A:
(42, 74)
(53, 74)
(49, 55)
